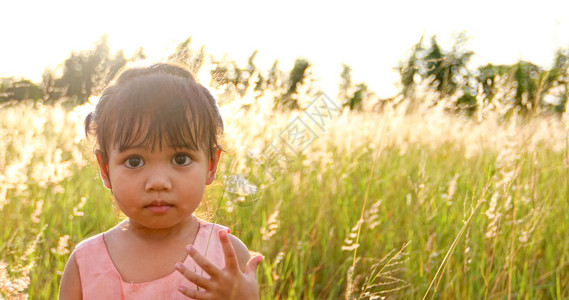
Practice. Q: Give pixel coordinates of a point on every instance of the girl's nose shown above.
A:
(158, 180)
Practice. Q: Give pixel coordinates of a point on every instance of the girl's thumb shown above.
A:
(251, 268)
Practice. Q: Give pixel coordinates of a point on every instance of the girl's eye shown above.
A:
(181, 160)
(134, 162)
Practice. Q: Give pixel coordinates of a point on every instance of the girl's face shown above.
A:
(161, 188)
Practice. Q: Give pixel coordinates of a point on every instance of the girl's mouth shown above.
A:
(159, 207)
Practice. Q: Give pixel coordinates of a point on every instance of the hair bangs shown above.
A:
(157, 106)
(152, 117)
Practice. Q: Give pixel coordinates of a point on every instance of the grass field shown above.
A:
(391, 204)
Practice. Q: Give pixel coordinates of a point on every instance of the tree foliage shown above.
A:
(185, 56)
(84, 73)
(429, 69)
(296, 77)
(444, 72)
(522, 87)
(20, 90)
(350, 95)
(345, 83)
(227, 75)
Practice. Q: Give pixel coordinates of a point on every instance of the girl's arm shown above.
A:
(238, 280)
(70, 287)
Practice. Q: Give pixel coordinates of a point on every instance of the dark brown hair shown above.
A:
(161, 103)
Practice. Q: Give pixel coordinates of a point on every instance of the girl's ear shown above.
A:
(104, 169)
(213, 166)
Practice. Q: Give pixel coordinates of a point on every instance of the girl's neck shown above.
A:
(187, 228)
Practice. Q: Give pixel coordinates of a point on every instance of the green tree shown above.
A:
(218, 75)
(409, 70)
(444, 72)
(351, 96)
(138, 54)
(112, 67)
(236, 79)
(22, 89)
(85, 73)
(447, 72)
(346, 85)
(274, 76)
(528, 85)
(487, 77)
(4, 84)
(51, 92)
(297, 76)
(25, 89)
(558, 76)
(356, 101)
(184, 56)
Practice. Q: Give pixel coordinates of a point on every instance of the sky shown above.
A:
(372, 37)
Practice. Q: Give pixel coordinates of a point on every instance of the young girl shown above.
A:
(157, 133)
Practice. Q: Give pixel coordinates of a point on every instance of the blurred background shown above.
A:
(371, 37)
(439, 168)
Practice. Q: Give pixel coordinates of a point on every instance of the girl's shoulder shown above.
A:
(214, 227)
(208, 236)
(91, 242)
(92, 252)
(99, 240)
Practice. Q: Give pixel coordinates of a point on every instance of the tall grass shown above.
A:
(454, 208)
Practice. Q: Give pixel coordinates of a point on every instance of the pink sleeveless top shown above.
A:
(101, 280)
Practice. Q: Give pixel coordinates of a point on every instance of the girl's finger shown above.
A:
(251, 268)
(203, 262)
(231, 262)
(198, 295)
(193, 277)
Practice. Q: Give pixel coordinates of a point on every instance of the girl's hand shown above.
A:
(227, 283)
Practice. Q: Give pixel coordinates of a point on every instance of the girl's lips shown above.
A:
(159, 203)
(159, 207)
